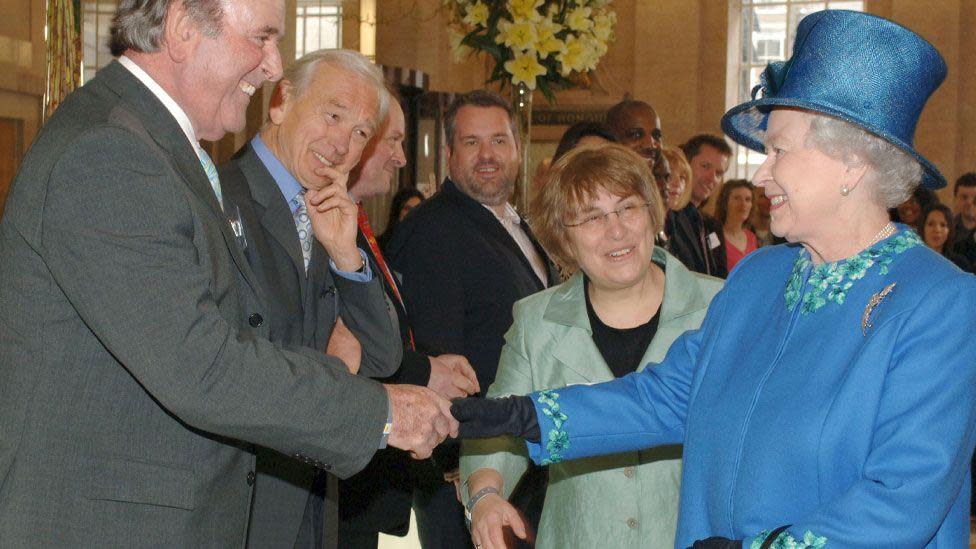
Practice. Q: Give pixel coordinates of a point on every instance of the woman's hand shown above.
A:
(492, 520)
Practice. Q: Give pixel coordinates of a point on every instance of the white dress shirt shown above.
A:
(513, 224)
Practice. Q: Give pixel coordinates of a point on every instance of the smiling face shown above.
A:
(739, 205)
(616, 253)
(484, 159)
(708, 169)
(222, 73)
(909, 210)
(965, 202)
(329, 124)
(935, 231)
(640, 130)
(675, 188)
(382, 158)
(802, 183)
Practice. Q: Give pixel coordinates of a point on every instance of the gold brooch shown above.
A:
(875, 300)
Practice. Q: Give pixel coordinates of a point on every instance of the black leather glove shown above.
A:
(726, 543)
(492, 417)
(717, 543)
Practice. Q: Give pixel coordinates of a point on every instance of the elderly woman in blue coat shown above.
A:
(828, 398)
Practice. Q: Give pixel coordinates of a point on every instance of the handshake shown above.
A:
(422, 419)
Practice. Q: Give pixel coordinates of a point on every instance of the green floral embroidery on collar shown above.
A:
(786, 541)
(558, 440)
(829, 282)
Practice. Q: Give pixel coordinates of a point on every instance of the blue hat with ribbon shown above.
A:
(854, 66)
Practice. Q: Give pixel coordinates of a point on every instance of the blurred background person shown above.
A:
(638, 127)
(677, 191)
(580, 133)
(733, 210)
(695, 238)
(584, 134)
(964, 202)
(626, 303)
(403, 201)
(761, 219)
(909, 212)
(677, 194)
(938, 231)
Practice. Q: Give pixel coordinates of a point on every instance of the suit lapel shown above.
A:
(487, 222)
(164, 130)
(575, 349)
(551, 272)
(272, 209)
(682, 296)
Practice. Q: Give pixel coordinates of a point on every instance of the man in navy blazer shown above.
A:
(466, 257)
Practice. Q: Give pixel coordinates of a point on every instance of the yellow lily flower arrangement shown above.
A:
(542, 44)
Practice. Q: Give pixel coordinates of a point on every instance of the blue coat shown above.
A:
(838, 399)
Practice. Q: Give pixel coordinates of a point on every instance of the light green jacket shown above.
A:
(622, 500)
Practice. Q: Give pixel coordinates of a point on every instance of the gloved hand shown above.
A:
(492, 417)
(717, 543)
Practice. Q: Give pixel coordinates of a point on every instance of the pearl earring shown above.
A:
(844, 191)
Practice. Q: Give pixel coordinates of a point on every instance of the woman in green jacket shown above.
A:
(623, 307)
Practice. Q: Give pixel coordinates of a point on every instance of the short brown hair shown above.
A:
(579, 176)
(722, 204)
(680, 166)
(693, 146)
(476, 98)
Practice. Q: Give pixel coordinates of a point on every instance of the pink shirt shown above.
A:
(733, 255)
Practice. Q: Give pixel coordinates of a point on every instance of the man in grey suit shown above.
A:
(134, 360)
(315, 134)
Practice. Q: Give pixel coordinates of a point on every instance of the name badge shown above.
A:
(237, 226)
(713, 241)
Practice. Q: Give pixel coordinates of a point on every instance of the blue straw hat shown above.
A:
(861, 68)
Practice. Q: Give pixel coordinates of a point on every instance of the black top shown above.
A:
(621, 348)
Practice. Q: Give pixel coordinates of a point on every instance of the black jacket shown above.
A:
(462, 272)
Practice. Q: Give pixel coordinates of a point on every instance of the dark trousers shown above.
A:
(440, 518)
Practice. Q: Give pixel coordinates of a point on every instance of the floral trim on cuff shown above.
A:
(558, 440)
(785, 540)
(829, 282)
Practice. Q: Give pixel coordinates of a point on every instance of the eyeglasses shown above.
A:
(600, 220)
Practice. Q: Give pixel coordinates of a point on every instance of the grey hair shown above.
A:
(138, 24)
(299, 73)
(892, 172)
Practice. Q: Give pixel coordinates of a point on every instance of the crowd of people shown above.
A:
(201, 355)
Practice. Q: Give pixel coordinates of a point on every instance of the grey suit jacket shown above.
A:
(303, 310)
(133, 350)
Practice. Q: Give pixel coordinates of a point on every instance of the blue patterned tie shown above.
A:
(211, 171)
(304, 226)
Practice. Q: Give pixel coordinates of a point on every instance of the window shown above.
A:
(318, 25)
(761, 31)
(96, 19)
